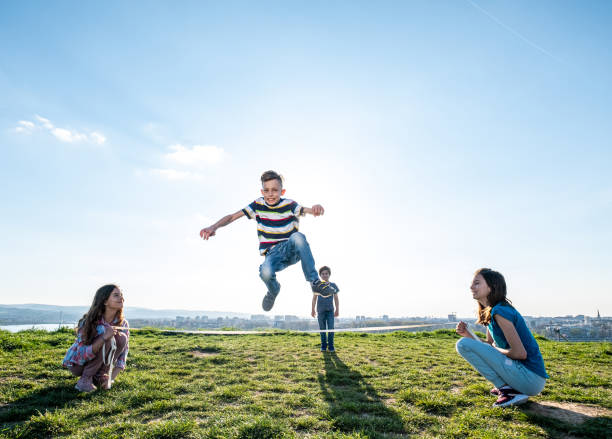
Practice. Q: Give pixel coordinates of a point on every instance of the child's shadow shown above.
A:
(45, 399)
(354, 405)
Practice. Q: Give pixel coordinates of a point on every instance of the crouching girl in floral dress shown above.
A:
(100, 351)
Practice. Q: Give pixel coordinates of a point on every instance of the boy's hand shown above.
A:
(207, 232)
(313, 313)
(336, 313)
(317, 210)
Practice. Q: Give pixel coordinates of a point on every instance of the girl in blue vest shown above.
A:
(511, 357)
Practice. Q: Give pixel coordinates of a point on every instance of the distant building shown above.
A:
(452, 317)
(290, 318)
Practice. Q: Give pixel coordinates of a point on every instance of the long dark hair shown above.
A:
(90, 319)
(496, 282)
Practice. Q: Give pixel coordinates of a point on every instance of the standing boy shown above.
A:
(325, 308)
(279, 240)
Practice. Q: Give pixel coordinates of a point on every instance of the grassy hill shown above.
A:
(280, 386)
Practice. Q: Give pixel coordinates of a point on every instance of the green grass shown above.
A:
(281, 386)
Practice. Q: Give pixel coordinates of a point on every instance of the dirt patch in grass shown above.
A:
(201, 354)
(389, 401)
(568, 412)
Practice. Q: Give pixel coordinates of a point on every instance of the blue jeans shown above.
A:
(498, 368)
(326, 321)
(284, 254)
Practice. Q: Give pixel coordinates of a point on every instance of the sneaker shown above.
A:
(332, 350)
(268, 301)
(322, 287)
(509, 397)
(85, 384)
(495, 391)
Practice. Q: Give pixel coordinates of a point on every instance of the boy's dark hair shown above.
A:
(271, 175)
(324, 268)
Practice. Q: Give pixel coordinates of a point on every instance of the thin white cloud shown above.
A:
(24, 127)
(183, 163)
(196, 156)
(513, 31)
(68, 136)
(26, 124)
(97, 137)
(46, 123)
(175, 175)
(61, 134)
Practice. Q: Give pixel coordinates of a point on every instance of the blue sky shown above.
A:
(439, 136)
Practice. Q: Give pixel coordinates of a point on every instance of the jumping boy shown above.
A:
(279, 240)
(324, 302)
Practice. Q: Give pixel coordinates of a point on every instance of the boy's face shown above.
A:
(272, 191)
(325, 275)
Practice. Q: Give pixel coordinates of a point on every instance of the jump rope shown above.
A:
(108, 360)
(284, 331)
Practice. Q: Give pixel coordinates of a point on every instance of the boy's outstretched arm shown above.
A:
(227, 219)
(315, 210)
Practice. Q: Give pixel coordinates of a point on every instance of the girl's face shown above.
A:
(115, 300)
(480, 289)
(325, 275)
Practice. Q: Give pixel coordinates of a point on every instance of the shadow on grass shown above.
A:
(559, 421)
(36, 415)
(46, 399)
(354, 405)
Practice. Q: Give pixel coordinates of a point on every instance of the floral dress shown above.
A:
(80, 353)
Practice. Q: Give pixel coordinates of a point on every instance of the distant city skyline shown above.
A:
(53, 313)
(440, 137)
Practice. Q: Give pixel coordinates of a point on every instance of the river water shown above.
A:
(43, 326)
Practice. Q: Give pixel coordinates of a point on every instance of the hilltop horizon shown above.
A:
(141, 312)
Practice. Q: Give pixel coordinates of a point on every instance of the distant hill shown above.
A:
(39, 313)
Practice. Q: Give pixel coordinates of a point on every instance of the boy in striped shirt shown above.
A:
(279, 239)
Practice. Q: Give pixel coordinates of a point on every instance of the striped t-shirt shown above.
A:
(274, 223)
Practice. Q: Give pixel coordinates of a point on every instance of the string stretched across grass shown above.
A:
(277, 331)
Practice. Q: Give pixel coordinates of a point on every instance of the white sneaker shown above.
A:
(507, 398)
